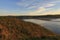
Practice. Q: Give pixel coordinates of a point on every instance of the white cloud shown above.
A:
(50, 5)
(40, 10)
(30, 4)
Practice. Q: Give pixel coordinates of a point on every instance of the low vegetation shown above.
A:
(17, 29)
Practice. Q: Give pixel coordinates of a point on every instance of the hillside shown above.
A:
(17, 29)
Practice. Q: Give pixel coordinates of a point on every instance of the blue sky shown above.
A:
(29, 7)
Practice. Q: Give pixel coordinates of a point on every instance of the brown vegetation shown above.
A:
(16, 29)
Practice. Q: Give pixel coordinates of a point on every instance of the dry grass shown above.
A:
(16, 29)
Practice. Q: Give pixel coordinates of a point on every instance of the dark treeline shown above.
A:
(36, 17)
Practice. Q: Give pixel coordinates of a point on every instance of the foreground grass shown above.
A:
(17, 29)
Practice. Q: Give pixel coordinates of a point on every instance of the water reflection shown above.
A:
(51, 25)
(56, 20)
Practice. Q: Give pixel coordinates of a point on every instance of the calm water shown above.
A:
(53, 25)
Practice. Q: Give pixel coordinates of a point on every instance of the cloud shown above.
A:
(52, 12)
(49, 5)
(39, 7)
(22, 4)
(31, 7)
(25, 3)
(37, 12)
(30, 4)
(40, 10)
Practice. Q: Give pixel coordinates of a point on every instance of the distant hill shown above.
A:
(17, 29)
(40, 17)
(36, 17)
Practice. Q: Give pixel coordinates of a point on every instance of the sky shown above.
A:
(29, 7)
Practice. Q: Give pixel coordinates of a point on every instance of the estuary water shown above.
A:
(53, 25)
